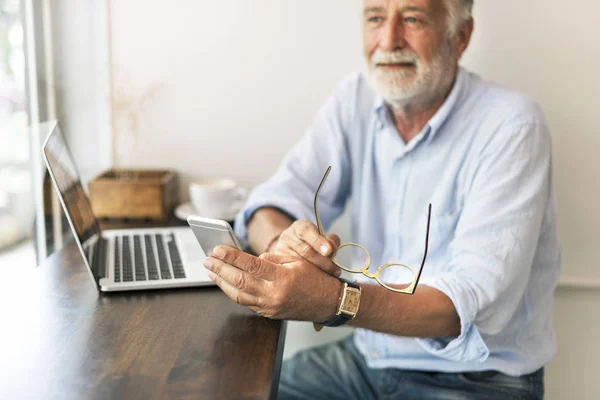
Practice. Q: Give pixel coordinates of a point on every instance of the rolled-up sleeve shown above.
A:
(292, 188)
(495, 240)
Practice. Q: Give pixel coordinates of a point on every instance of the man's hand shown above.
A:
(302, 239)
(275, 286)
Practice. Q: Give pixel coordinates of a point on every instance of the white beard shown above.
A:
(406, 86)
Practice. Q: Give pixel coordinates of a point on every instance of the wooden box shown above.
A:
(134, 194)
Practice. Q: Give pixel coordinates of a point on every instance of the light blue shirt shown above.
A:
(484, 163)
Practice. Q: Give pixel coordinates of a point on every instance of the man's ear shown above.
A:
(464, 36)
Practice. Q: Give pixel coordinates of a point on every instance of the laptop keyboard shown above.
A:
(136, 258)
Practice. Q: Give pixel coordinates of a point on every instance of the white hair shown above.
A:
(460, 11)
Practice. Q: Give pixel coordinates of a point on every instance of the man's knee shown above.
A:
(329, 372)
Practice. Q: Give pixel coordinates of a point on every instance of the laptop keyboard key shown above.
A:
(127, 265)
(151, 260)
(117, 268)
(140, 269)
(165, 271)
(178, 270)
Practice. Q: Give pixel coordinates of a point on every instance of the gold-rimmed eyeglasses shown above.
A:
(408, 288)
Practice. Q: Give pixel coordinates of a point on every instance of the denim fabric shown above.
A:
(339, 371)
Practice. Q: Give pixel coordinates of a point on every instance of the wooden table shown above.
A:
(62, 339)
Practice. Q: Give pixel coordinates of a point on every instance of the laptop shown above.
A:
(122, 259)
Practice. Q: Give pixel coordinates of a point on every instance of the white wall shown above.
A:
(573, 374)
(211, 87)
(549, 50)
(226, 87)
(81, 81)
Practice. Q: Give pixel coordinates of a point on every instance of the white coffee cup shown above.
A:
(216, 198)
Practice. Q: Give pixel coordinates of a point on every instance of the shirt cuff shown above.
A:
(294, 208)
(469, 345)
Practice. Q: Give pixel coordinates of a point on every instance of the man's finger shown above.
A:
(309, 254)
(287, 256)
(239, 279)
(293, 248)
(334, 239)
(232, 292)
(309, 234)
(246, 262)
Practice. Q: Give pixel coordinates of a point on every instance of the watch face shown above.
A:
(351, 302)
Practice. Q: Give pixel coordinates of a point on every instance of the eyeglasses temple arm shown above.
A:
(319, 224)
(426, 246)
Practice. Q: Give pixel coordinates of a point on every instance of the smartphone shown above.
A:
(211, 233)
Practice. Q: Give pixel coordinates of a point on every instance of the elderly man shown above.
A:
(417, 129)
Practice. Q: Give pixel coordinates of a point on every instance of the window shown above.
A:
(16, 202)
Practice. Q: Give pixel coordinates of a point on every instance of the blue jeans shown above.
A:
(338, 371)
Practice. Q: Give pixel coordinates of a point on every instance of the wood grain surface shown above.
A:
(62, 339)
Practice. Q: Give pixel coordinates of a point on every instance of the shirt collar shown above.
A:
(438, 119)
(380, 110)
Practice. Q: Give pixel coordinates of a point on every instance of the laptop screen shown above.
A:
(67, 180)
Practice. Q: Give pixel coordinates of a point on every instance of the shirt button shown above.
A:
(375, 354)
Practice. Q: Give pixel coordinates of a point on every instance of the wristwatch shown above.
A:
(348, 307)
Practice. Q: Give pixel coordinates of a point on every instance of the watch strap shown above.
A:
(341, 318)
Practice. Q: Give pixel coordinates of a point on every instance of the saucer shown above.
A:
(184, 210)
